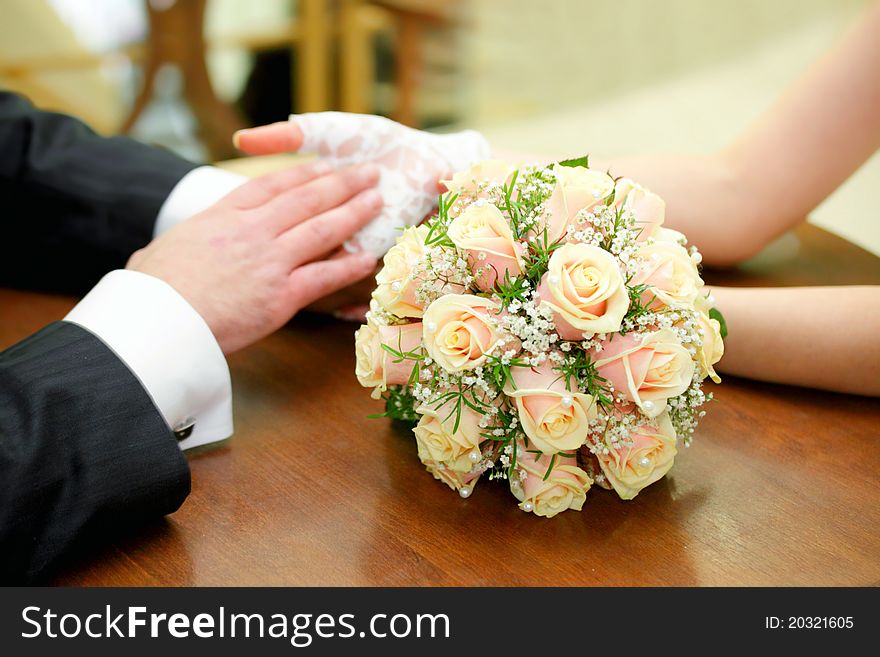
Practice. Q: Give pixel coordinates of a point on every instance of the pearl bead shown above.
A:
(567, 401)
(396, 286)
(644, 462)
(711, 300)
(528, 507)
(474, 456)
(465, 491)
(597, 195)
(430, 327)
(648, 405)
(697, 257)
(554, 279)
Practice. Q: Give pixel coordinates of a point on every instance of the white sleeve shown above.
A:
(196, 191)
(168, 346)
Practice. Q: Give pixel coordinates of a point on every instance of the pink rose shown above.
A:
(486, 172)
(376, 367)
(671, 274)
(564, 488)
(447, 454)
(648, 208)
(484, 233)
(461, 330)
(399, 279)
(647, 457)
(585, 290)
(463, 482)
(404, 338)
(553, 418)
(646, 368)
(577, 188)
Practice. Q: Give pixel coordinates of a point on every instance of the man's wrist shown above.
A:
(168, 346)
(198, 190)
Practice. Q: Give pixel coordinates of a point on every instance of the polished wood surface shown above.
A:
(780, 486)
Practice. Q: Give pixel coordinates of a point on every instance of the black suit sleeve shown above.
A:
(75, 204)
(81, 445)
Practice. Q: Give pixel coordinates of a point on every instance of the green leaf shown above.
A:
(457, 414)
(576, 162)
(714, 313)
(550, 467)
(399, 405)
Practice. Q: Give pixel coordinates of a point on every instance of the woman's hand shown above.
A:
(411, 162)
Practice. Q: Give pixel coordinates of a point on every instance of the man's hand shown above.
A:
(250, 262)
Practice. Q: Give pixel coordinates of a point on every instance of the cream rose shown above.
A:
(564, 488)
(648, 208)
(460, 330)
(463, 482)
(585, 290)
(712, 348)
(553, 418)
(646, 459)
(670, 273)
(484, 233)
(398, 280)
(377, 368)
(647, 368)
(438, 442)
(576, 189)
(669, 235)
(447, 454)
(704, 301)
(485, 172)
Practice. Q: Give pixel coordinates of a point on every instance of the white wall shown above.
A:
(696, 96)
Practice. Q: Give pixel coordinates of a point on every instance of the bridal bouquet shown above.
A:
(543, 328)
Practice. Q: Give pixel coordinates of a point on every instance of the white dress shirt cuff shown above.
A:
(168, 346)
(196, 191)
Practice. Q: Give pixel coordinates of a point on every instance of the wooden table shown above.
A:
(780, 487)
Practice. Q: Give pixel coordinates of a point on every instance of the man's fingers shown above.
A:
(281, 137)
(318, 196)
(321, 234)
(263, 189)
(318, 279)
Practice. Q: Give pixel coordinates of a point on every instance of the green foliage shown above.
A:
(399, 405)
(580, 375)
(714, 313)
(619, 223)
(537, 258)
(438, 225)
(638, 307)
(583, 161)
(400, 356)
(499, 370)
(511, 289)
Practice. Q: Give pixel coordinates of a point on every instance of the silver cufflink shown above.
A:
(183, 429)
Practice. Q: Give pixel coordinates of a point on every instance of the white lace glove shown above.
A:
(411, 163)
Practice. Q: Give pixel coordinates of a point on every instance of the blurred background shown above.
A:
(561, 77)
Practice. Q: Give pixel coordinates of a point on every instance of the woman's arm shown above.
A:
(820, 131)
(821, 337)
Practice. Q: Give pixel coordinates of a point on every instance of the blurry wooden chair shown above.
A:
(316, 31)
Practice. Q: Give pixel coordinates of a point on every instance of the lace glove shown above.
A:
(411, 163)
